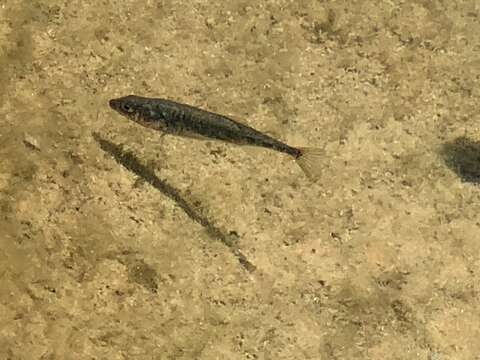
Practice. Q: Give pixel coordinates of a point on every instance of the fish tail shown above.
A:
(309, 160)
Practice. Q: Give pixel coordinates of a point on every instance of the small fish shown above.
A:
(173, 118)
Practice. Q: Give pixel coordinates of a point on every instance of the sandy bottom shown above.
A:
(117, 243)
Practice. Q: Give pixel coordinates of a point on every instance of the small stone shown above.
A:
(210, 22)
(31, 142)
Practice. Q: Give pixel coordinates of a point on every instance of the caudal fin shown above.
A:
(310, 161)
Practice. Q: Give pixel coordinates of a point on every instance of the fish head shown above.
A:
(139, 109)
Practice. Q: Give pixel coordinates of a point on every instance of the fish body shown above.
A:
(174, 118)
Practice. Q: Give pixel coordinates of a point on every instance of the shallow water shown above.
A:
(117, 243)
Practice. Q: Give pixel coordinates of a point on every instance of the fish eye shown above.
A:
(126, 107)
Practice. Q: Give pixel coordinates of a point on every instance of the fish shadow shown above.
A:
(462, 155)
(128, 160)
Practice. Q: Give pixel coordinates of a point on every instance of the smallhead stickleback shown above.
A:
(170, 117)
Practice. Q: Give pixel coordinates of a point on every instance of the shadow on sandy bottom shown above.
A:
(463, 157)
(133, 164)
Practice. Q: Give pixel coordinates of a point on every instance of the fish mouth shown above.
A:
(114, 104)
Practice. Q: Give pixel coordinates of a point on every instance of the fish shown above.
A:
(173, 118)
